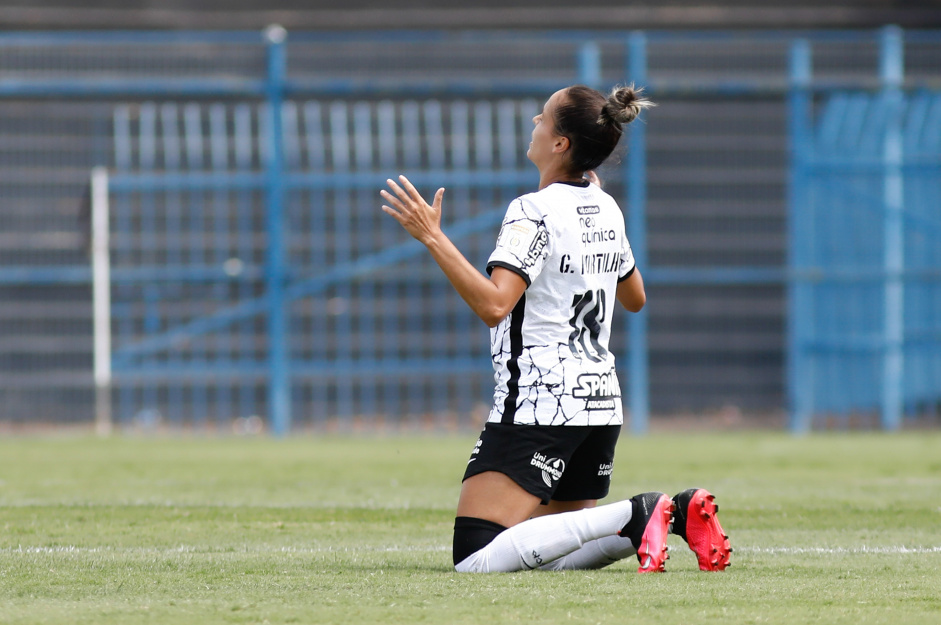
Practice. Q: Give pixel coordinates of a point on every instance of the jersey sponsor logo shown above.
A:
(516, 237)
(600, 263)
(592, 232)
(523, 228)
(600, 404)
(552, 468)
(536, 247)
(598, 236)
(597, 385)
(599, 390)
(605, 469)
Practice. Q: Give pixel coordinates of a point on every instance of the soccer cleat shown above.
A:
(697, 523)
(648, 529)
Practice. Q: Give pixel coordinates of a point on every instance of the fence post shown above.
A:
(101, 298)
(891, 70)
(635, 176)
(589, 64)
(800, 373)
(279, 392)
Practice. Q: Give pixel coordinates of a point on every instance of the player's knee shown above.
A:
(472, 535)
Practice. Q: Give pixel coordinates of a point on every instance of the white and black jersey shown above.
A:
(550, 355)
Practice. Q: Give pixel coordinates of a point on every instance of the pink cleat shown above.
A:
(648, 529)
(698, 524)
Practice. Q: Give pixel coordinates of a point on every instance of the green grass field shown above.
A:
(826, 529)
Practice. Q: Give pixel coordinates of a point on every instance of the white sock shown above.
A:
(595, 554)
(542, 540)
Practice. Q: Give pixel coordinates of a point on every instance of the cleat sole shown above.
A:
(704, 533)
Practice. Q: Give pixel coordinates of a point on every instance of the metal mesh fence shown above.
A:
(717, 211)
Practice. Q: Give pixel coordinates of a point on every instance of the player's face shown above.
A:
(545, 138)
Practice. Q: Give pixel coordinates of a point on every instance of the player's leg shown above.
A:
(509, 489)
(643, 521)
(555, 507)
(511, 470)
(595, 554)
(589, 475)
(495, 497)
(514, 468)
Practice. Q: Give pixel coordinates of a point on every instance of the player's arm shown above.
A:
(492, 298)
(631, 292)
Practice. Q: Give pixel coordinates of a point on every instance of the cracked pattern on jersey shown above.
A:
(543, 399)
(523, 242)
(551, 353)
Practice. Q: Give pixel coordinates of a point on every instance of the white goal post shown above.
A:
(101, 299)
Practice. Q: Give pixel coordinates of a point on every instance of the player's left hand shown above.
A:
(409, 208)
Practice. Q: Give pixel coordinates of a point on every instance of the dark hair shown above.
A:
(594, 123)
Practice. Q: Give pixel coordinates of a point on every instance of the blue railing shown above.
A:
(256, 161)
(865, 214)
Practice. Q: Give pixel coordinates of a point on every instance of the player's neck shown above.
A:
(557, 175)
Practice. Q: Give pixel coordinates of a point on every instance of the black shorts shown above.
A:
(564, 463)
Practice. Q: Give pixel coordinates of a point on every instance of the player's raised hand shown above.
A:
(409, 208)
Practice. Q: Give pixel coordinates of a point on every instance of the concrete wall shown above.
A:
(371, 14)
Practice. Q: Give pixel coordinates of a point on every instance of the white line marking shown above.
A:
(861, 550)
(192, 549)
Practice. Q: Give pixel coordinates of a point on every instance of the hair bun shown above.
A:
(624, 105)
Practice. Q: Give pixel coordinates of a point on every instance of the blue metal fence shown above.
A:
(866, 266)
(253, 273)
(369, 327)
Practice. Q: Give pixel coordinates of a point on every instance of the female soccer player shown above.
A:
(546, 453)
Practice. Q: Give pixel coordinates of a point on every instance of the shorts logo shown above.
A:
(476, 451)
(605, 469)
(552, 468)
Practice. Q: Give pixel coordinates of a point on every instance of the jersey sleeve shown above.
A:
(523, 242)
(627, 265)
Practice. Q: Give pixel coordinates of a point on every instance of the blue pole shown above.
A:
(891, 70)
(279, 394)
(589, 64)
(636, 178)
(800, 365)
